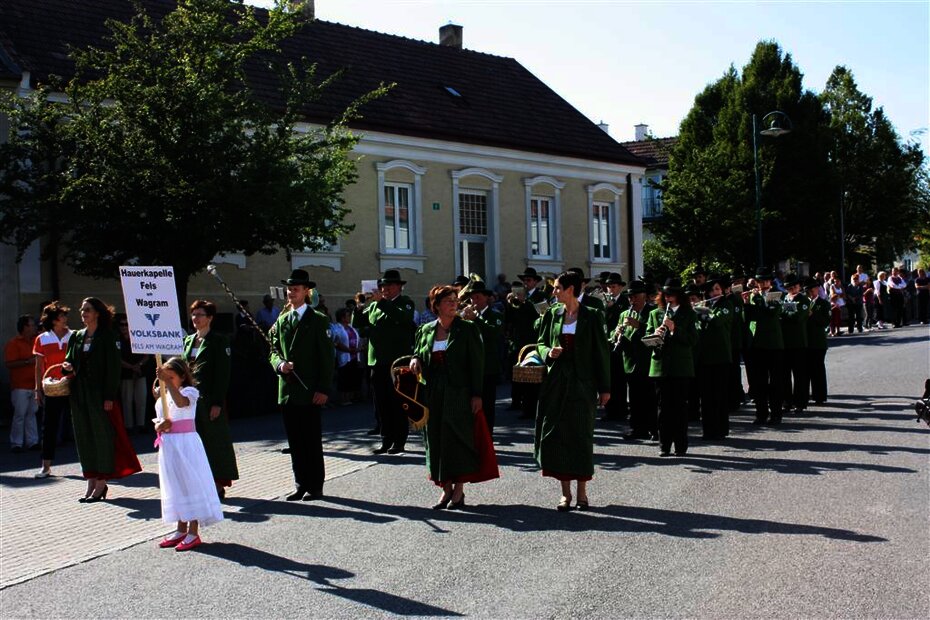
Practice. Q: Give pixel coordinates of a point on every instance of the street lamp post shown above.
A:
(774, 131)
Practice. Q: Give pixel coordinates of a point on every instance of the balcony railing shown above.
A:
(652, 208)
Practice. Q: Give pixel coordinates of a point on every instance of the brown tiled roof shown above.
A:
(501, 103)
(655, 151)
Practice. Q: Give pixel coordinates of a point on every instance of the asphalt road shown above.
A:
(823, 517)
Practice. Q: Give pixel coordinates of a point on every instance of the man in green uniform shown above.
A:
(766, 349)
(817, 324)
(491, 325)
(737, 338)
(795, 312)
(303, 356)
(636, 361)
(617, 408)
(521, 316)
(712, 359)
(387, 320)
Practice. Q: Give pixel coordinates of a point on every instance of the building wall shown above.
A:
(508, 177)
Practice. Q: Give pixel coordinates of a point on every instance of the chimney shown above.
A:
(604, 127)
(450, 35)
(642, 132)
(306, 7)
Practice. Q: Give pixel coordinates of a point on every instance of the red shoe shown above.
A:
(171, 542)
(185, 546)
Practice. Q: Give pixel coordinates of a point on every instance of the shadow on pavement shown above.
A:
(322, 576)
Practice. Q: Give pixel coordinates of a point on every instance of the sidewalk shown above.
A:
(43, 527)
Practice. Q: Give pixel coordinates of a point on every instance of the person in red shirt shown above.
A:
(21, 362)
(50, 348)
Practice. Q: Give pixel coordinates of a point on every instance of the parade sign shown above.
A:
(152, 308)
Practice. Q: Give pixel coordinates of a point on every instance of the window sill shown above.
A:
(401, 261)
(332, 260)
(546, 265)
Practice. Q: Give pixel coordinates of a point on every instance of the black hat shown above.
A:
(580, 272)
(764, 273)
(460, 281)
(708, 286)
(672, 286)
(698, 271)
(791, 280)
(636, 286)
(614, 278)
(737, 275)
(478, 286)
(299, 277)
(602, 276)
(810, 283)
(693, 289)
(391, 276)
(530, 273)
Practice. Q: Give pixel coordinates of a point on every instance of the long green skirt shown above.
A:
(217, 443)
(564, 441)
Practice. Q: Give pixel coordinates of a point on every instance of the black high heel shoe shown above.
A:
(443, 503)
(457, 505)
(98, 498)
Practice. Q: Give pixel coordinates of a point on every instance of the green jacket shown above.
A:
(637, 357)
(389, 327)
(738, 322)
(522, 320)
(211, 367)
(715, 335)
(491, 325)
(764, 323)
(464, 354)
(97, 372)
(308, 345)
(817, 324)
(676, 356)
(591, 360)
(794, 323)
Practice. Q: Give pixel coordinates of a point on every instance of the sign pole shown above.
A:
(163, 394)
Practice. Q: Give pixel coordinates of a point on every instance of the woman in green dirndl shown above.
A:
(573, 344)
(450, 357)
(208, 354)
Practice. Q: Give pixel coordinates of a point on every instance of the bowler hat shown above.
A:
(391, 276)
(636, 286)
(791, 280)
(693, 289)
(299, 277)
(672, 287)
(810, 283)
(764, 273)
(530, 273)
(602, 276)
(478, 286)
(614, 278)
(460, 281)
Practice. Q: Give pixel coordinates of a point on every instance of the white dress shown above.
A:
(188, 492)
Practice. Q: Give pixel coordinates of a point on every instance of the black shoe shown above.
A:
(97, 498)
(297, 495)
(384, 448)
(396, 450)
(665, 453)
(375, 431)
(457, 505)
(443, 503)
(285, 450)
(313, 496)
(682, 453)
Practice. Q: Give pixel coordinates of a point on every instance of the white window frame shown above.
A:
(396, 191)
(553, 260)
(492, 249)
(614, 230)
(408, 258)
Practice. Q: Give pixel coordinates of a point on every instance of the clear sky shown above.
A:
(644, 61)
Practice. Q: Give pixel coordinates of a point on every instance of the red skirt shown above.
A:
(125, 461)
(487, 457)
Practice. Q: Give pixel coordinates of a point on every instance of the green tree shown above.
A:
(709, 194)
(173, 157)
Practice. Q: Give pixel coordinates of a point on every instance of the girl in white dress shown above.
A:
(188, 493)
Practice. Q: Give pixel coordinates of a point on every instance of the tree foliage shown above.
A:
(169, 154)
(839, 152)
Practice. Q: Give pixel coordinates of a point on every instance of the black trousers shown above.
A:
(797, 379)
(305, 439)
(617, 407)
(529, 399)
(488, 399)
(673, 414)
(56, 408)
(897, 309)
(854, 317)
(923, 305)
(643, 416)
(714, 383)
(694, 400)
(767, 367)
(817, 371)
(394, 423)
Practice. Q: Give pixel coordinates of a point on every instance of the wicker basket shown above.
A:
(527, 374)
(55, 387)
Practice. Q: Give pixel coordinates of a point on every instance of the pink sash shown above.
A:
(181, 426)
